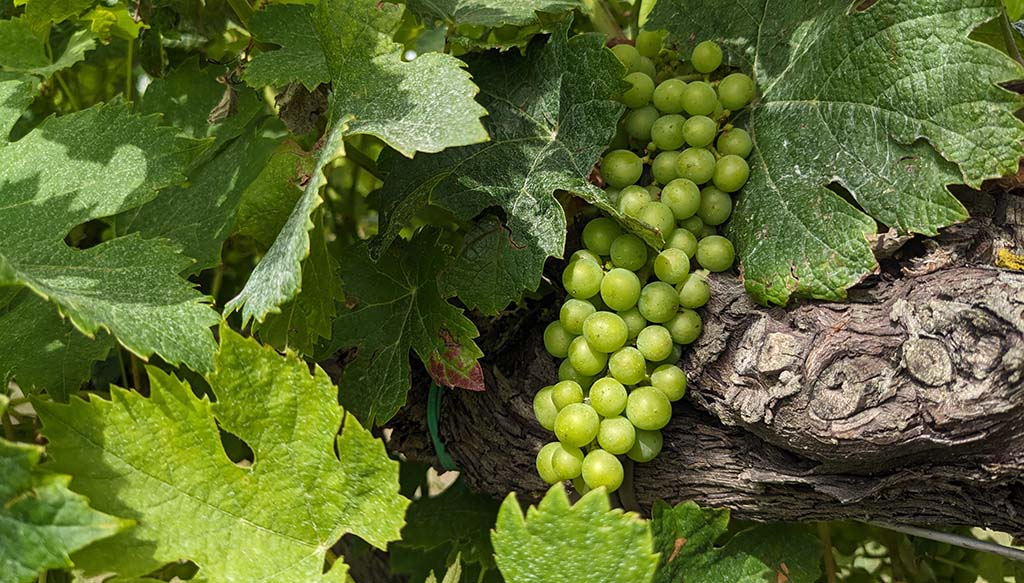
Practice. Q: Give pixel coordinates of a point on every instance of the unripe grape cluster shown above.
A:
(631, 308)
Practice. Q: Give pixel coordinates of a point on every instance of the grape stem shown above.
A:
(1008, 36)
(830, 560)
(956, 540)
(602, 19)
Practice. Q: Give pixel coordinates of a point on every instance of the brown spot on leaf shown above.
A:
(782, 575)
(680, 542)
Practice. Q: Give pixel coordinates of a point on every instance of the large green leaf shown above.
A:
(25, 50)
(160, 460)
(41, 350)
(96, 163)
(686, 535)
(582, 543)
(391, 307)
(552, 113)
(424, 105)
(41, 521)
(892, 102)
(490, 13)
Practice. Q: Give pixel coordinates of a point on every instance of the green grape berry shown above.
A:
(658, 303)
(607, 397)
(654, 343)
(682, 196)
(699, 131)
(601, 468)
(572, 315)
(621, 168)
(664, 167)
(694, 225)
(620, 289)
(660, 216)
(633, 199)
(544, 408)
(731, 173)
(628, 56)
(599, 234)
(667, 132)
(641, 89)
(715, 206)
(647, 446)
(706, 231)
(735, 91)
(616, 435)
(582, 279)
(557, 339)
(736, 142)
(648, 43)
(668, 96)
(639, 122)
(635, 322)
(648, 408)
(585, 358)
(567, 461)
(699, 98)
(646, 66)
(567, 373)
(683, 240)
(605, 331)
(694, 291)
(565, 393)
(577, 425)
(627, 365)
(670, 380)
(671, 266)
(696, 165)
(544, 467)
(707, 56)
(629, 252)
(715, 253)
(585, 254)
(685, 326)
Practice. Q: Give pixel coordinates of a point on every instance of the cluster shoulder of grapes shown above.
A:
(631, 309)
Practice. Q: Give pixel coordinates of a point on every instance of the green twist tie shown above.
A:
(433, 413)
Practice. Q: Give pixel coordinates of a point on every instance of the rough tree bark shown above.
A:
(905, 404)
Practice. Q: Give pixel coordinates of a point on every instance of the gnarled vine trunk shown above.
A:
(905, 404)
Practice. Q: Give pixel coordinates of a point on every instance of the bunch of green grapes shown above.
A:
(631, 308)
(680, 127)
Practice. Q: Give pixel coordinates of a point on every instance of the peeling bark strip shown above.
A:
(905, 405)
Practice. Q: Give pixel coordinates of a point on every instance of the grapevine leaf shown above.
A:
(185, 98)
(685, 536)
(25, 52)
(394, 306)
(198, 218)
(424, 105)
(559, 543)
(41, 521)
(268, 201)
(95, 163)
(453, 575)
(489, 13)
(300, 57)
(893, 102)
(43, 351)
(46, 11)
(489, 266)
(552, 113)
(457, 517)
(468, 23)
(307, 317)
(274, 520)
